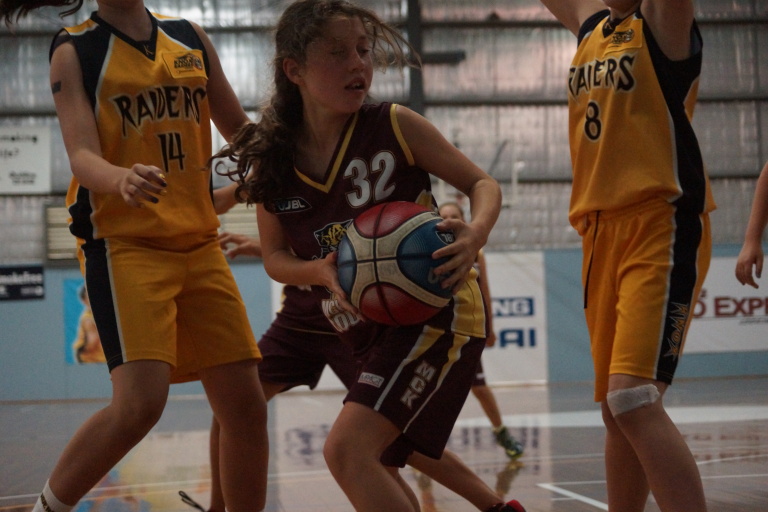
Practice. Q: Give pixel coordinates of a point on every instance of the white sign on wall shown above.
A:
(25, 160)
(517, 284)
(728, 317)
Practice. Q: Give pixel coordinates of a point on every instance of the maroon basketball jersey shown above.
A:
(372, 164)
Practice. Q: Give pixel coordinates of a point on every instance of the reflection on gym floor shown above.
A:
(725, 422)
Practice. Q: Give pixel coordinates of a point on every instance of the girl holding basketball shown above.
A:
(296, 348)
(320, 156)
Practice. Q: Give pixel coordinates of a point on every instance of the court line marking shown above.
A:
(708, 414)
(593, 418)
(551, 486)
(578, 497)
(96, 491)
(737, 457)
(723, 477)
(602, 506)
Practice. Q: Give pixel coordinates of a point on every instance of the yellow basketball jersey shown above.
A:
(630, 121)
(151, 107)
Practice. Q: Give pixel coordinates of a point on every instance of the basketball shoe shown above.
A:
(511, 446)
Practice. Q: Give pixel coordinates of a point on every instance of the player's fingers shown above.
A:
(154, 175)
(738, 273)
(152, 179)
(454, 225)
(744, 273)
(134, 196)
(136, 190)
(347, 306)
(449, 251)
(152, 188)
(455, 278)
(225, 239)
(234, 252)
(460, 262)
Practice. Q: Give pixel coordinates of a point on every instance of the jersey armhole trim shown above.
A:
(399, 134)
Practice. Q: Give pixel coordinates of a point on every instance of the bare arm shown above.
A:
(573, 13)
(282, 265)
(226, 112)
(485, 288)
(671, 22)
(224, 198)
(433, 153)
(139, 184)
(751, 255)
(236, 244)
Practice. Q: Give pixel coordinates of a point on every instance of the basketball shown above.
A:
(386, 267)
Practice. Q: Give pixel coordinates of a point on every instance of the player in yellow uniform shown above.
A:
(640, 200)
(135, 93)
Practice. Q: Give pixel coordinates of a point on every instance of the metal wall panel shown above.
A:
(504, 104)
(501, 64)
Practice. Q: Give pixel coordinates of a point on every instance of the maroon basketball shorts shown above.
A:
(418, 377)
(479, 379)
(295, 358)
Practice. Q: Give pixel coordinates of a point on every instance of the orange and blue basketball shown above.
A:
(386, 267)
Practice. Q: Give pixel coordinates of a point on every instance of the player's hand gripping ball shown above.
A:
(386, 267)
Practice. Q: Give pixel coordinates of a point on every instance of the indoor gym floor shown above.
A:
(725, 422)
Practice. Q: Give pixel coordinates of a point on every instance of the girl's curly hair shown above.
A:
(12, 10)
(267, 147)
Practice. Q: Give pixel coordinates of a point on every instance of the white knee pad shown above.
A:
(624, 400)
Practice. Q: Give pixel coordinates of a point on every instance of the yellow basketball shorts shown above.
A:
(172, 300)
(642, 272)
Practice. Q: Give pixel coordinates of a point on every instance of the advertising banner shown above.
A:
(22, 282)
(517, 284)
(25, 160)
(81, 339)
(728, 316)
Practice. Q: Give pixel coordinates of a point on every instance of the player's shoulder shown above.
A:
(591, 22)
(175, 25)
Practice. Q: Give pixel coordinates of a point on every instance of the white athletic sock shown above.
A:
(47, 502)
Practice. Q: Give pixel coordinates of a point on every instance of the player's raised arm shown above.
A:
(572, 13)
(671, 22)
